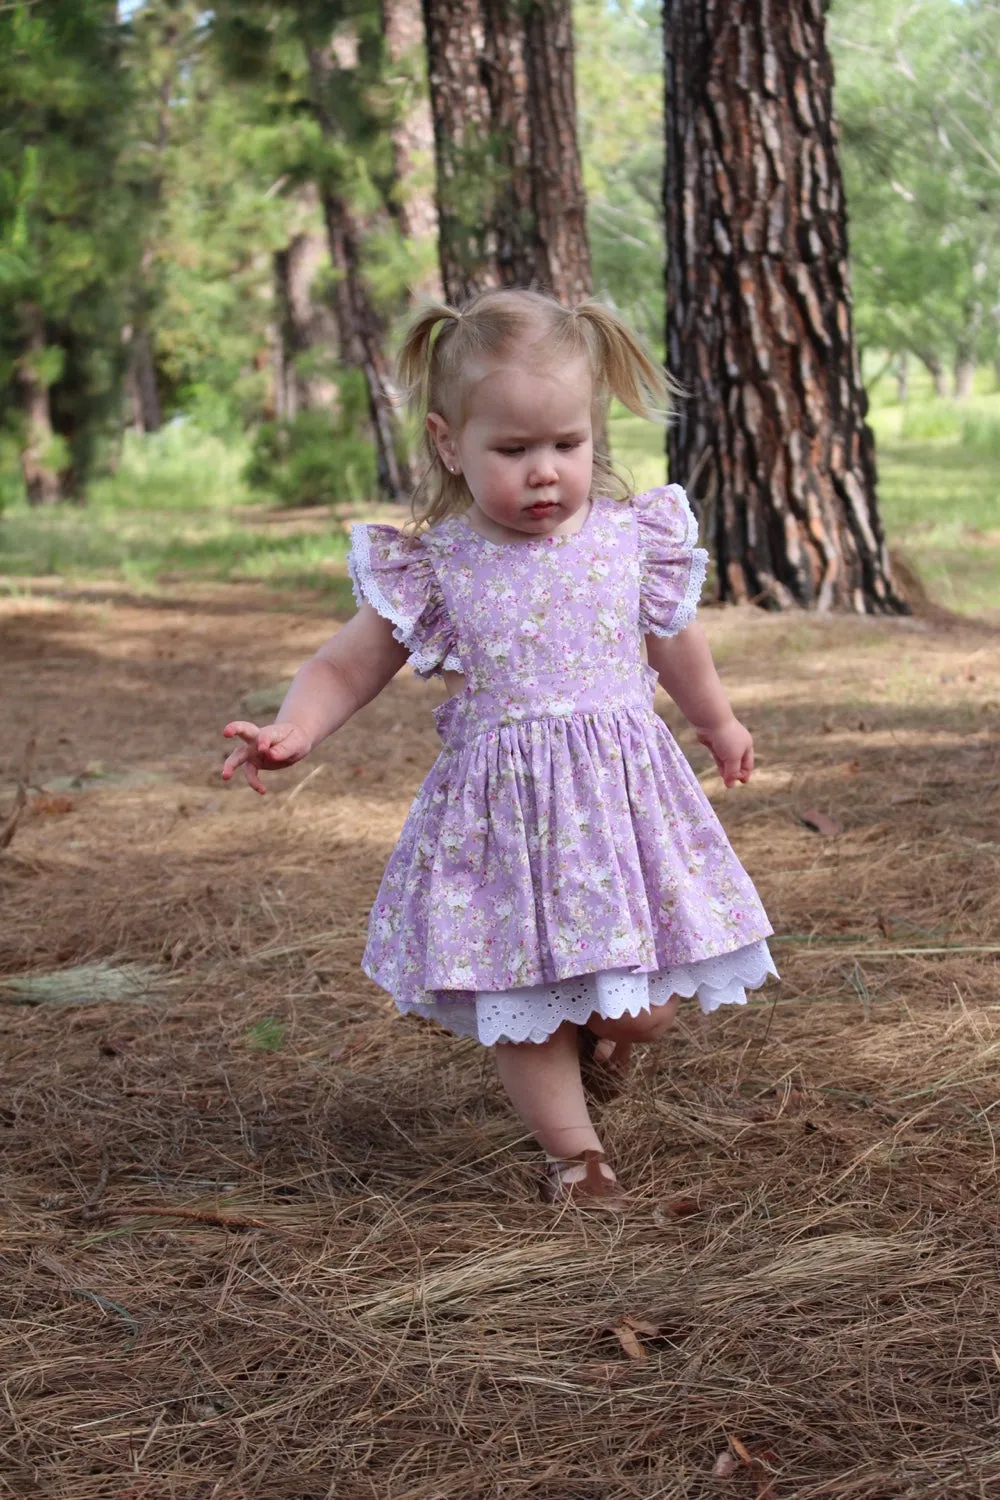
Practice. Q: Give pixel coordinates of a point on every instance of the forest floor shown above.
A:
(263, 1240)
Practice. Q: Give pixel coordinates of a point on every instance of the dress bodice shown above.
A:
(547, 627)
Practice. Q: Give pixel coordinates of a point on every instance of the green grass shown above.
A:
(939, 485)
(939, 489)
(177, 508)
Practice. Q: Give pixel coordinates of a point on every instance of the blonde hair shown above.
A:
(442, 342)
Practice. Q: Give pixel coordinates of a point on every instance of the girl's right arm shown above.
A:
(348, 671)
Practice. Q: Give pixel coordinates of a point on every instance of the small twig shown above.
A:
(90, 1209)
(8, 828)
(199, 1216)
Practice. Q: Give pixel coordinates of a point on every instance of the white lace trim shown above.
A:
(533, 1013)
(366, 590)
(688, 607)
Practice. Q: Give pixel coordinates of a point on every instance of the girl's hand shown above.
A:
(732, 746)
(267, 749)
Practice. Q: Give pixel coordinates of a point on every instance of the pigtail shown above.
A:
(413, 363)
(624, 368)
(437, 493)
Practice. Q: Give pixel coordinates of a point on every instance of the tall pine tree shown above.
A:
(772, 437)
(511, 204)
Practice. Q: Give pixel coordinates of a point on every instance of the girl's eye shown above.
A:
(568, 447)
(510, 452)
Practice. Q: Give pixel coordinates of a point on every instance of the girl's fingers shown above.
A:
(253, 777)
(234, 761)
(746, 770)
(272, 742)
(243, 728)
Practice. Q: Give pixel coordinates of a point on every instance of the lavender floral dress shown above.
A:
(561, 857)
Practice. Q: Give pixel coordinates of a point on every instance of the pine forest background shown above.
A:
(213, 223)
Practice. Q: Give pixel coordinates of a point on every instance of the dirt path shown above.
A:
(265, 1240)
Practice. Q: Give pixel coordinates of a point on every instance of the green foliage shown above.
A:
(66, 218)
(180, 468)
(918, 96)
(320, 458)
(940, 495)
(619, 85)
(266, 1035)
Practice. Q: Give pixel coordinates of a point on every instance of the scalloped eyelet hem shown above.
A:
(534, 1013)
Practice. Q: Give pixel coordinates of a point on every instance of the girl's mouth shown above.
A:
(543, 507)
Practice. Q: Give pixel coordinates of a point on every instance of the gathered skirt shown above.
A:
(558, 864)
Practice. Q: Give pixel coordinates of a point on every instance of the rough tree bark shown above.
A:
(559, 205)
(772, 437)
(469, 92)
(42, 482)
(509, 187)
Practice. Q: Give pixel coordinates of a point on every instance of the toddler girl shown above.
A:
(561, 877)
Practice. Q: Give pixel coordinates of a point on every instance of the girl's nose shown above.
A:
(543, 471)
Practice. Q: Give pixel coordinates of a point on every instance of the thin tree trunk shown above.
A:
(41, 481)
(903, 377)
(413, 131)
(360, 329)
(302, 328)
(772, 438)
(965, 371)
(562, 253)
(503, 66)
(935, 370)
(362, 344)
(141, 387)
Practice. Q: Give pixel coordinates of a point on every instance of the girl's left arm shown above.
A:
(684, 665)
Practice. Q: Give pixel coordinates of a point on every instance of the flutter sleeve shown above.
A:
(394, 574)
(671, 565)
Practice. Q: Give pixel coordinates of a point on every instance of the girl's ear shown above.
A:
(440, 436)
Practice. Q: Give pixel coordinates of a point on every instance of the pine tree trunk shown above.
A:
(772, 437)
(362, 344)
(934, 368)
(562, 253)
(41, 481)
(302, 327)
(141, 387)
(511, 209)
(965, 371)
(360, 329)
(413, 132)
(903, 377)
(510, 193)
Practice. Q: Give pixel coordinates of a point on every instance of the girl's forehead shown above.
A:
(513, 391)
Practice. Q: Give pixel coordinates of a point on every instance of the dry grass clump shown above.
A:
(264, 1241)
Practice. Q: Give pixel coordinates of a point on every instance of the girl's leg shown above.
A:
(543, 1083)
(619, 1035)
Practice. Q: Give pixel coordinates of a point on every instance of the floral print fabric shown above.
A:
(561, 832)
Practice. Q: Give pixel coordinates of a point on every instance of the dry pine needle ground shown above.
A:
(264, 1241)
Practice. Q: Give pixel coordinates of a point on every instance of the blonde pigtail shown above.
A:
(413, 362)
(624, 366)
(437, 493)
